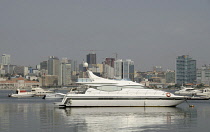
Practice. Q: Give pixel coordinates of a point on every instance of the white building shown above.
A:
(65, 74)
(203, 75)
(118, 69)
(5, 59)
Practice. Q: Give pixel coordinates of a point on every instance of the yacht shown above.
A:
(54, 96)
(40, 91)
(103, 92)
(204, 92)
(187, 91)
(22, 93)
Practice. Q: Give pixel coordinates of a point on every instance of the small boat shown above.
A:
(22, 93)
(40, 91)
(187, 91)
(54, 96)
(205, 92)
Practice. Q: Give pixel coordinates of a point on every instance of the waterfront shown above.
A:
(35, 114)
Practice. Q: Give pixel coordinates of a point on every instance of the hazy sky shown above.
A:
(149, 32)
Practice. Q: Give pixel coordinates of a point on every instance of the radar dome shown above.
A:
(85, 64)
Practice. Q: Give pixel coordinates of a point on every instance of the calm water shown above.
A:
(37, 115)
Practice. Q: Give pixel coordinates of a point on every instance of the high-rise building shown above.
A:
(65, 74)
(128, 69)
(108, 68)
(43, 65)
(124, 69)
(53, 66)
(5, 59)
(203, 75)
(91, 58)
(185, 70)
(170, 76)
(110, 61)
(118, 69)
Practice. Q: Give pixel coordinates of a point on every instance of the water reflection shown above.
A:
(133, 119)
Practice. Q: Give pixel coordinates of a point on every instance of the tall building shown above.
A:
(74, 66)
(5, 59)
(91, 58)
(185, 70)
(53, 66)
(124, 69)
(203, 75)
(110, 61)
(65, 73)
(108, 68)
(170, 76)
(128, 69)
(118, 69)
(43, 65)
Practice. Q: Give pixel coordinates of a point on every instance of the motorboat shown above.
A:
(40, 91)
(22, 93)
(119, 94)
(61, 95)
(188, 91)
(54, 96)
(204, 92)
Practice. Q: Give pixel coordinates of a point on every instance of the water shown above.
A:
(37, 115)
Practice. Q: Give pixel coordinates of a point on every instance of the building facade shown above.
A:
(128, 69)
(65, 73)
(170, 76)
(91, 59)
(118, 69)
(185, 70)
(124, 69)
(43, 65)
(203, 75)
(5, 59)
(53, 65)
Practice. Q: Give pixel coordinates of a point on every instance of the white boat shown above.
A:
(205, 92)
(22, 93)
(187, 91)
(40, 92)
(124, 93)
(54, 96)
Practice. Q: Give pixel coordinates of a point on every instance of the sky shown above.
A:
(149, 32)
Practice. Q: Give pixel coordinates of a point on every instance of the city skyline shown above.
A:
(151, 33)
(61, 59)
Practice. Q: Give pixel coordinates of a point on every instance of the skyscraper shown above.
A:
(43, 65)
(124, 69)
(91, 58)
(110, 61)
(128, 69)
(118, 69)
(203, 75)
(65, 73)
(53, 65)
(5, 59)
(185, 70)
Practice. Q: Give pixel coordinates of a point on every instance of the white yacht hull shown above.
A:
(119, 101)
(122, 103)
